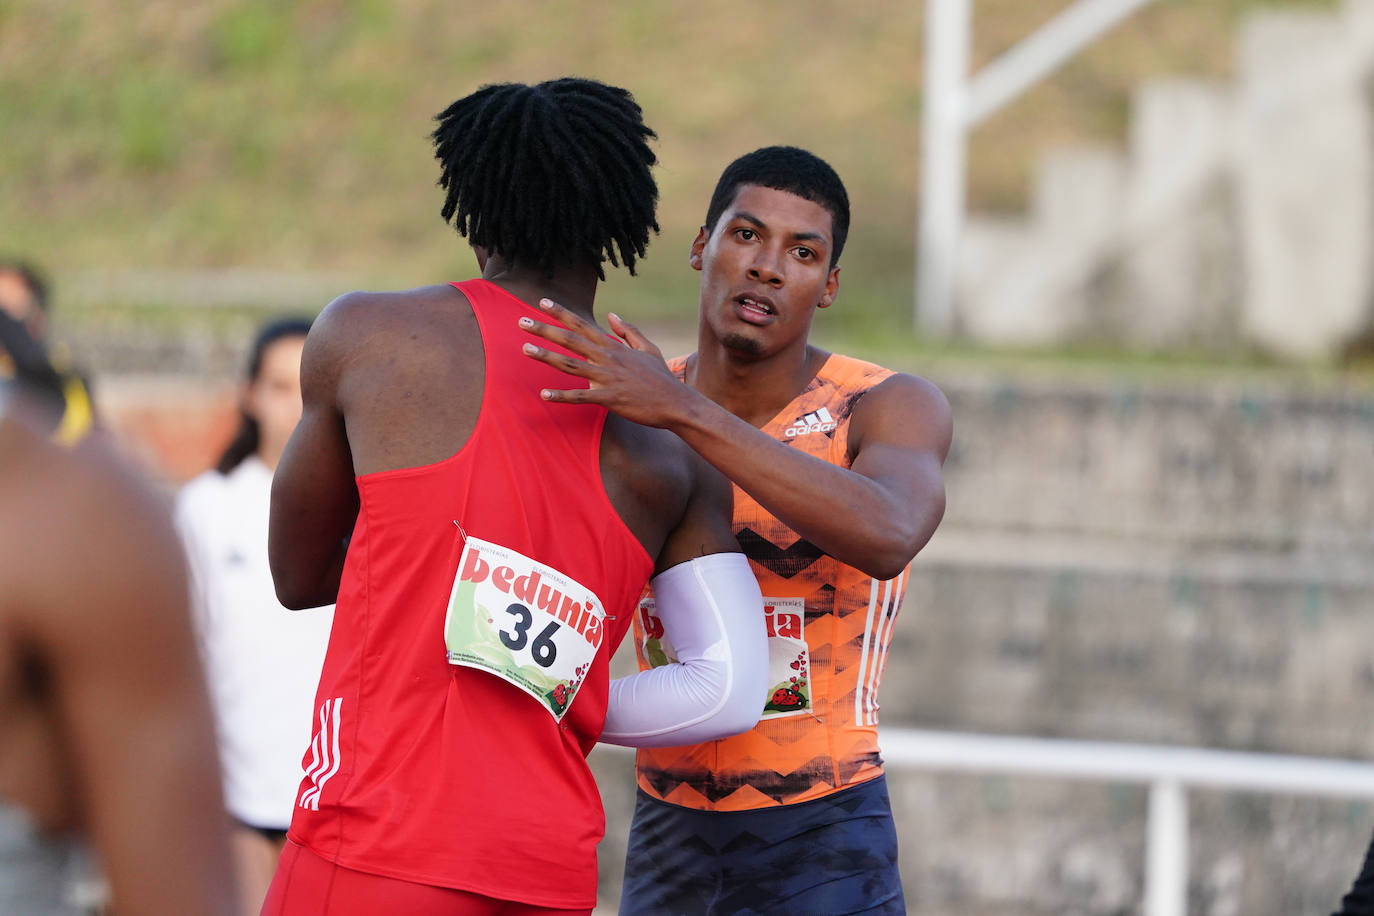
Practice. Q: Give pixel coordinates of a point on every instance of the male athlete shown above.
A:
(487, 550)
(837, 464)
(105, 728)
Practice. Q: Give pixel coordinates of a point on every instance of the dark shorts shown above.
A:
(274, 835)
(834, 855)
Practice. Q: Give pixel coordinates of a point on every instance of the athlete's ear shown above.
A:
(832, 288)
(698, 246)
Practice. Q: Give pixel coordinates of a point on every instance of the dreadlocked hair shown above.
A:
(549, 176)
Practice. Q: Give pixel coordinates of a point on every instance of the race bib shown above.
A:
(789, 661)
(524, 622)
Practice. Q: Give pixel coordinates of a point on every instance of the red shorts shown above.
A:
(308, 885)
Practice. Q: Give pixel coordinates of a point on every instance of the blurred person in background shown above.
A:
(263, 661)
(837, 465)
(24, 298)
(105, 728)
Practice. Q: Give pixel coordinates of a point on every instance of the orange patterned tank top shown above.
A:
(829, 626)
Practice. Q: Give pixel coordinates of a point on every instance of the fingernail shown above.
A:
(526, 323)
(615, 316)
(545, 394)
(529, 348)
(546, 303)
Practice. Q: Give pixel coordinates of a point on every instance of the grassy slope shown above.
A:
(292, 135)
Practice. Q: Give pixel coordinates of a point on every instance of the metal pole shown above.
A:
(943, 152)
(1166, 851)
(1039, 55)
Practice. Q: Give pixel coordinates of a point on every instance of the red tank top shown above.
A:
(452, 775)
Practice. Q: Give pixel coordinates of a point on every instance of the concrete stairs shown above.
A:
(1240, 215)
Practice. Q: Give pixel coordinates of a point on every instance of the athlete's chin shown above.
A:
(742, 345)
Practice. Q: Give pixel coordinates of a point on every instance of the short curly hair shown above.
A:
(786, 168)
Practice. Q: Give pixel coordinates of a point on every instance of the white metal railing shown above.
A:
(1168, 771)
(955, 103)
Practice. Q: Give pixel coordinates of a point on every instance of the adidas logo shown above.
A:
(819, 421)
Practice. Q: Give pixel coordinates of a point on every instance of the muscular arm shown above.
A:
(102, 603)
(712, 612)
(314, 496)
(875, 515)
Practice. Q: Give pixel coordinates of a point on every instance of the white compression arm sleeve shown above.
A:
(712, 613)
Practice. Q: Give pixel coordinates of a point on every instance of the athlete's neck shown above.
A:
(753, 388)
(574, 288)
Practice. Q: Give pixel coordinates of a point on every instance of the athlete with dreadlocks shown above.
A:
(486, 550)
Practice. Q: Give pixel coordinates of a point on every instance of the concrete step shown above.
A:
(1270, 659)
(1228, 463)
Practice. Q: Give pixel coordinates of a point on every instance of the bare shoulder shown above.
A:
(81, 531)
(364, 311)
(350, 325)
(354, 345)
(903, 389)
(652, 463)
(672, 499)
(651, 478)
(904, 407)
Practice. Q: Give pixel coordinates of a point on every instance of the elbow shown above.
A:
(885, 568)
(301, 585)
(741, 706)
(294, 593)
(740, 721)
(889, 557)
(743, 709)
(888, 561)
(731, 721)
(295, 599)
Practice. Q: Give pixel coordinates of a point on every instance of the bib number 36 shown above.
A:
(523, 621)
(543, 649)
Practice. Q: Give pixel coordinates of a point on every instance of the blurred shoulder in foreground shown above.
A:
(105, 730)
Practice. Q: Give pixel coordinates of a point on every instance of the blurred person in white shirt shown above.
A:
(262, 660)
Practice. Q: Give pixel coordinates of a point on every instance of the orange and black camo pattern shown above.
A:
(819, 730)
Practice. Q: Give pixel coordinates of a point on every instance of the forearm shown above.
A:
(306, 567)
(312, 517)
(712, 613)
(851, 517)
(874, 515)
(302, 588)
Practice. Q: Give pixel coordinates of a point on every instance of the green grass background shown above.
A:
(293, 134)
